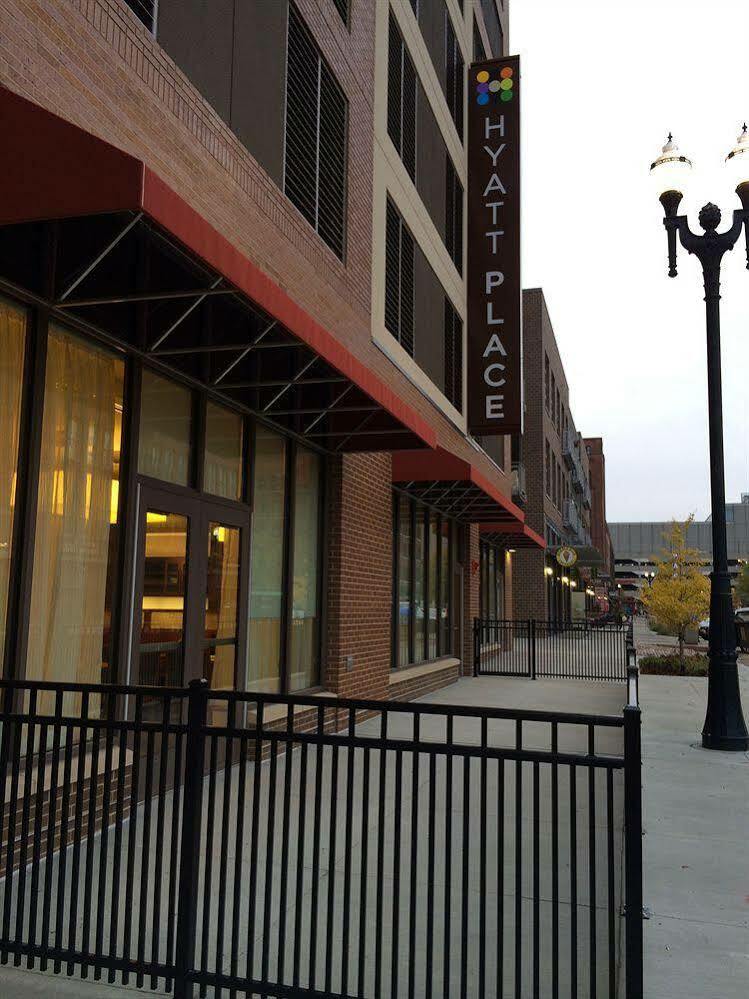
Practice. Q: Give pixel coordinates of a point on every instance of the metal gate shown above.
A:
(305, 846)
(574, 650)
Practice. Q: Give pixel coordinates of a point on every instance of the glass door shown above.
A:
(165, 581)
(190, 588)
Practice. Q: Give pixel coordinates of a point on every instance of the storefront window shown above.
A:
(165, 430)
(76, 534)
(444, 537)
(12, 344)
(404, 582)
(267, 555)
(223, 452)
(432, 590)
(424, 551)
(419, 608)
(304, 667)
(492, 582)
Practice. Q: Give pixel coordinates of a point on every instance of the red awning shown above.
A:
(455, 487)
(136, 263)
(513, 537)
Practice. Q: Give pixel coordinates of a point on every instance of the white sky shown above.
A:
(603, 82)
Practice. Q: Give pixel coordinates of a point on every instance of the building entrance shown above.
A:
(190, 575)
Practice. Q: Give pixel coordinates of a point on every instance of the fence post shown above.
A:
(189, 862)
(532, 646)
(633, 850)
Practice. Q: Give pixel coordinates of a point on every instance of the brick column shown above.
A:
(471, 594)
(529, 585)
(359, 576)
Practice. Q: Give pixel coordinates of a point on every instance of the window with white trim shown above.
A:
(316, 131)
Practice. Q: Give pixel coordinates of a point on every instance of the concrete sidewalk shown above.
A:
(696, 817)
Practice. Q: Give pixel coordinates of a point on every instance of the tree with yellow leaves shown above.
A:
(679, 597)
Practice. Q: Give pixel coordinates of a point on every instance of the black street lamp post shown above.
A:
(724, 726)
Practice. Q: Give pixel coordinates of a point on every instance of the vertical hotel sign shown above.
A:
(494, 355)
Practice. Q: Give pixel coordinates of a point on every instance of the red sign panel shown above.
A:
(494, 338)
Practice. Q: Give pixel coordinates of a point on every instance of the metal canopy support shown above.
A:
(152, 296)
(341, 395)
(245, 352)
(180, 319)
(98, 259)
(460, 499)
(302, 371)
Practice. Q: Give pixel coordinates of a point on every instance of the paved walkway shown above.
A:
(696, 845)
(521, 693)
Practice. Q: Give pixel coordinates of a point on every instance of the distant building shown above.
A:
(599, 529)
(638, 546)
(552, 467)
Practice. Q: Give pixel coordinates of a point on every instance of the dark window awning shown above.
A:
(512, 536)
(94, 234)
(454, 487)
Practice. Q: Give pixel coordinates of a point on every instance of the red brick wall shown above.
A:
(359, 582)
(93, 63)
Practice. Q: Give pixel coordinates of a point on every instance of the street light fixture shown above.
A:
(724, 726)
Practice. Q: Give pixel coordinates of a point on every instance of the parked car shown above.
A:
(741, 619)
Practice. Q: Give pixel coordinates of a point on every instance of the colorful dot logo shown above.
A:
(502, 89)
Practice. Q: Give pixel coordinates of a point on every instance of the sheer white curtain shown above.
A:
(82, 390)
(12, 342)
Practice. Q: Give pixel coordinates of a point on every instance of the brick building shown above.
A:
(232, 323)
(553, 463)
(599, 528)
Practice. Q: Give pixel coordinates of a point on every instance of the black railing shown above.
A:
(575, 650)
(307, 846)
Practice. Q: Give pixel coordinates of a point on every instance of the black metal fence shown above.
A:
(575, 650)
(305, 846)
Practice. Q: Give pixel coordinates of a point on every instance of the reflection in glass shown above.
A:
(221, 606)
(12, 341)
(304, 666)
(404, 580)
(165, 426)
(162, 633)
(223, 452)
(419, 585)
(77, 513)
(433, 570)
(266, 600)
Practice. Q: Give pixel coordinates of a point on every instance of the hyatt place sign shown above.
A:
(494, 339)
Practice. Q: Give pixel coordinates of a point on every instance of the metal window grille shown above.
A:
(145, 11)
(453, 356)
(316, 131)
(399, 280)
(454, 75)
(453, 215)
(401, 99)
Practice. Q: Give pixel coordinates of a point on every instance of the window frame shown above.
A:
(443, 648)
(321, 63)
(13, 656)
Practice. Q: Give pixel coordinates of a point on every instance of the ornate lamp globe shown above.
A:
(670, 173)
(738, 164)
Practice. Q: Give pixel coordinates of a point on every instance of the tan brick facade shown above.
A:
(94, 64)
